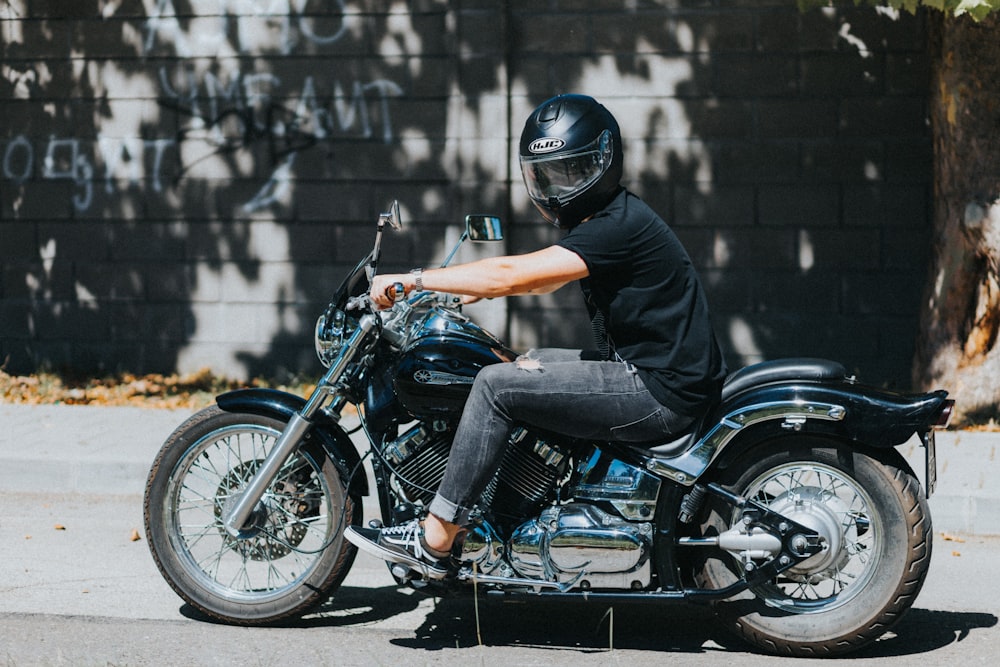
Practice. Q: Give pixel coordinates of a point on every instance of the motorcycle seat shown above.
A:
(678, 444)
(780, 370)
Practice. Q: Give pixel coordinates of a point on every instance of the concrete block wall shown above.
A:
(183, 184)
(790, 152)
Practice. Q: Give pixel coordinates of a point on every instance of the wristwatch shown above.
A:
(418, 279)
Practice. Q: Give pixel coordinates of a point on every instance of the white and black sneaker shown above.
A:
(401, 544)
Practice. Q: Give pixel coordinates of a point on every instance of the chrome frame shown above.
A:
(690, 464)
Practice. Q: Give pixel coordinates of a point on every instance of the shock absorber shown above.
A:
(691, 503)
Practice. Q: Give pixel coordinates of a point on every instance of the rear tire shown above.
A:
(292, 558)
(870, 509)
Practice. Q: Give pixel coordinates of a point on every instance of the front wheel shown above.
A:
(876, 526)
(293, 553)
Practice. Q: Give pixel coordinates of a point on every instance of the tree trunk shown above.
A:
(957, 346)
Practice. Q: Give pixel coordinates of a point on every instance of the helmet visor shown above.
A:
(562, 177)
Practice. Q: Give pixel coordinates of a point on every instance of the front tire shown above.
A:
(870, 510)
(292, 557)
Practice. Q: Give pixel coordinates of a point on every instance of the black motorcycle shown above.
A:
(787, 506)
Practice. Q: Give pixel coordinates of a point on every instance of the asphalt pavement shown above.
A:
(108, 450)
(78, 586)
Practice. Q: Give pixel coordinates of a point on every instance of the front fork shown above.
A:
(238, 516)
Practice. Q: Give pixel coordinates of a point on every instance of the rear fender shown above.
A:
(859, 415)
(282, 405)
(862, 414)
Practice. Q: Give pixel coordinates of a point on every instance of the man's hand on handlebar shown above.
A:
(389, 288)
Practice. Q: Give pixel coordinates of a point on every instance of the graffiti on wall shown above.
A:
(249, 26)
(75, 161)
(224, 111)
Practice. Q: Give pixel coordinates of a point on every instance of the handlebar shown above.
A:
(363, 301)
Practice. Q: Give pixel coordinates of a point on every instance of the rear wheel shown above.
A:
(293, 553)
(876, 529)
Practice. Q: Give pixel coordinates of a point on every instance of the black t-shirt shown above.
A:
(643, 290)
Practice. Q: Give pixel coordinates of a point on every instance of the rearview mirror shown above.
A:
(483, 228)
(392, 217)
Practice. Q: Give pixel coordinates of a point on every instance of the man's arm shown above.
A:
(538, 272)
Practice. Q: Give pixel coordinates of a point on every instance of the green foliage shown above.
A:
(977, 9)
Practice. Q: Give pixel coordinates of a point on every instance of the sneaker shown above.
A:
(400, 544)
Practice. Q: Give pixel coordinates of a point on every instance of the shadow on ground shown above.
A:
(459, 622)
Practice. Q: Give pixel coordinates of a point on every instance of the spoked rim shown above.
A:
(288, 531)
(826, 500)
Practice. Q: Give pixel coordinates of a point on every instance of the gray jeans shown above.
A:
(554, 389)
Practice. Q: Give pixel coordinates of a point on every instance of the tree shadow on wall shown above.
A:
(106, 245)
(788, 151)
(194, 182)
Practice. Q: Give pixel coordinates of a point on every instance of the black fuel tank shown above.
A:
(440, 361)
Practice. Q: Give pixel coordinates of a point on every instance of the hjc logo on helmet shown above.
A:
(546, 145)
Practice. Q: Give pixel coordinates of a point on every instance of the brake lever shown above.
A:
(361, 302)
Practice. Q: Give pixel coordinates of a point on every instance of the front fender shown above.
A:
(282, 405)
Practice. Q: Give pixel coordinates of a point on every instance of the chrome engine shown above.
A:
(592, 522)
(584, 545)
(527, 476)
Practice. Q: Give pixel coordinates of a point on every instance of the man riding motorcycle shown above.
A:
(657, 365)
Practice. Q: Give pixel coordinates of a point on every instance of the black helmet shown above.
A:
(571, 158)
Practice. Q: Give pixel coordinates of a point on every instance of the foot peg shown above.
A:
(401, 572)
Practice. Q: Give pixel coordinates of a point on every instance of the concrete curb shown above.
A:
(967, 498)
(80, 449)
(109, 450)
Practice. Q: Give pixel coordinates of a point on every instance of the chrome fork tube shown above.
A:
(298, 426)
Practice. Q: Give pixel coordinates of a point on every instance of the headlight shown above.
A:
(329, 335)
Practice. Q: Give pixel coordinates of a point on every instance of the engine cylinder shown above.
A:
(418, 459)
